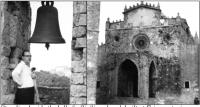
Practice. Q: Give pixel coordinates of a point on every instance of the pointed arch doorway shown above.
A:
(152, 80)
(127, 79)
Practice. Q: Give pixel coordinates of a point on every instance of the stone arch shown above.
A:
(127, 85)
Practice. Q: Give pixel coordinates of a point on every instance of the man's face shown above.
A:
(27, 57)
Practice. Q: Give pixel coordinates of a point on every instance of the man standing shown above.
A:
(37, 98)
(22, 75)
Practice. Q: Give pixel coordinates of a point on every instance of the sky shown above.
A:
(60, 54)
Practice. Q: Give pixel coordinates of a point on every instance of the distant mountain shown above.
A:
(44, 78)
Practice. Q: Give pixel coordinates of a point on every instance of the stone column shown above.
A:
(15, 20)
(84, 52)
(93, 15)
(143, 77)
(78, 76)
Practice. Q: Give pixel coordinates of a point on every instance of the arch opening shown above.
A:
(127, 79)
(152, 80)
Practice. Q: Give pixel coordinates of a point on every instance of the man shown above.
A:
(37, 99)
(22, 75)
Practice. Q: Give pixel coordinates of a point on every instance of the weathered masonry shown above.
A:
(15, 29)
(148, 58)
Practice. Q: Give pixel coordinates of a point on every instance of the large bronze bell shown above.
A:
(47, 26)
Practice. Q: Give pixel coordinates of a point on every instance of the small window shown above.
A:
(117, 38)
(187, 84)
(98, 84)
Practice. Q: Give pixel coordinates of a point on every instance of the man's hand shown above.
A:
(37, 100)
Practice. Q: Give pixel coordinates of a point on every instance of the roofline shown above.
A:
(144, 6)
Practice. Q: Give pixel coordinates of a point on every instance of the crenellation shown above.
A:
(134, 7)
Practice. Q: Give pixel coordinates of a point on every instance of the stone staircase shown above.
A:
(132, 101)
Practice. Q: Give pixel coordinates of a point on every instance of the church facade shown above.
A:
(147, 58)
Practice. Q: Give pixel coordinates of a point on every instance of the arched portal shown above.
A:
(152, 81)
(127, 79)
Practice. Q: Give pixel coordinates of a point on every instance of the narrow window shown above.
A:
(187, 84)
(98, 84)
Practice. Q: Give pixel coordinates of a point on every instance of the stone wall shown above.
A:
(171, 75)
(93, 15)
(84, 52)
(142, 17)
(160, 44)
(14, 33)
(78, 76)
(54, 95)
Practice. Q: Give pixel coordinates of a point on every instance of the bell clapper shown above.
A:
(47, 45)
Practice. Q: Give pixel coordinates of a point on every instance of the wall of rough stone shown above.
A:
(142, 17)
(79, 35)
(54, 95)
(159, 44)
(171, 75)
(189, 72)
(14, 33)
(84, 52)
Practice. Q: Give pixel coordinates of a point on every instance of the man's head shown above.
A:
(26, 57)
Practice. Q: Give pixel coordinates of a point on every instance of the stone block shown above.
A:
(77, 78)
(14, 60)
(5, 87)
(14, 27)
(79, 31)
(79, 20)
(12, 66)
(79, 66)
(17, 52)
(4, 62)
(77, 100)
(5, 50)
(13, 86)
(80, 43)
(7, 99)
(20, 42)
(93, 15)
(82, 19)
(79, 7)
(78, 90)
(77, 54)
(5, 38)
(92, 47)
(76, 19)
(13, 42)
(5, 74)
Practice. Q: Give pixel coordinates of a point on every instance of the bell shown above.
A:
(47, 27)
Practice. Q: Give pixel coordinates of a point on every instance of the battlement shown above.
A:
(146, 5)
(114, 24)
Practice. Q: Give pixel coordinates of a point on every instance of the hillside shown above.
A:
(45, 78)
